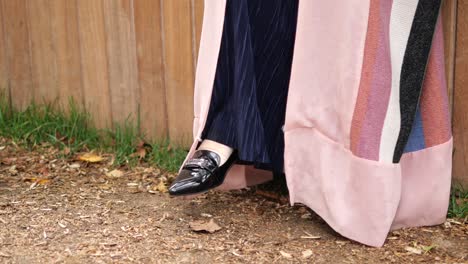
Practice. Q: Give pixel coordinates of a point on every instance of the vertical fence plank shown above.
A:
(449, 14)
(64, 24)
(179, 70)
(18, 53)
(43, 65)
(121, 56)
(94, 61)
(150, 68)
(3, 59)
(460, 117)
(198, 22)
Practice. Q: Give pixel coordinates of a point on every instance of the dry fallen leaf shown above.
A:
(74, 166)
(203, 226)
(43, 181)
(90, 157)
(115, 173)
(66, 151)
(142, 149)
(453, 221)
(447, 224)
(158, 188)
(9, 161)
(161, 187)
(36, 181)
(13, 170)
(307, 253)
(141, 153)
(286, 255)
(133, 187)
(105, 186)
(414, 250)
(306, 216)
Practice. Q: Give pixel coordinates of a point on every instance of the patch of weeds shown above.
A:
(70, 130)
(166, 156)
(122, 141)
(458, 207)
(39, 124)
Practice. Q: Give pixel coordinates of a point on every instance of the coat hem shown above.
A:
(364, 199)
(357, 197)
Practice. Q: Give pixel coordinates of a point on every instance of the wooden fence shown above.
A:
(116, 57)
(460, 93)
(137, 57)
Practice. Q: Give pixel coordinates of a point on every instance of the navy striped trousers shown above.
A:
(248, 103)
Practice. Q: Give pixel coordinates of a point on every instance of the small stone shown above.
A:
(307, 254)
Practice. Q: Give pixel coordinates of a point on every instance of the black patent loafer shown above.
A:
(201, 173)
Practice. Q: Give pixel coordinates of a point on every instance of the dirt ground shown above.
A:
(69, 211)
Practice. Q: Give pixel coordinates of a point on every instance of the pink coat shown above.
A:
(335, 163)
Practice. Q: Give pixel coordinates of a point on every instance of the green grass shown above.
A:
(71, 129)
(458, 207)
(167, 156)
(39, 124)
(122, 141)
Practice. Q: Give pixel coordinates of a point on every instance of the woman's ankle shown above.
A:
(223, 151)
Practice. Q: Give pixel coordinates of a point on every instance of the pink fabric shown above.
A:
(358, 198)
(434, 102)
(361, 199)
(380, 86)
(325, 75)
(425, 186)
(369, 61)
(210, 44)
